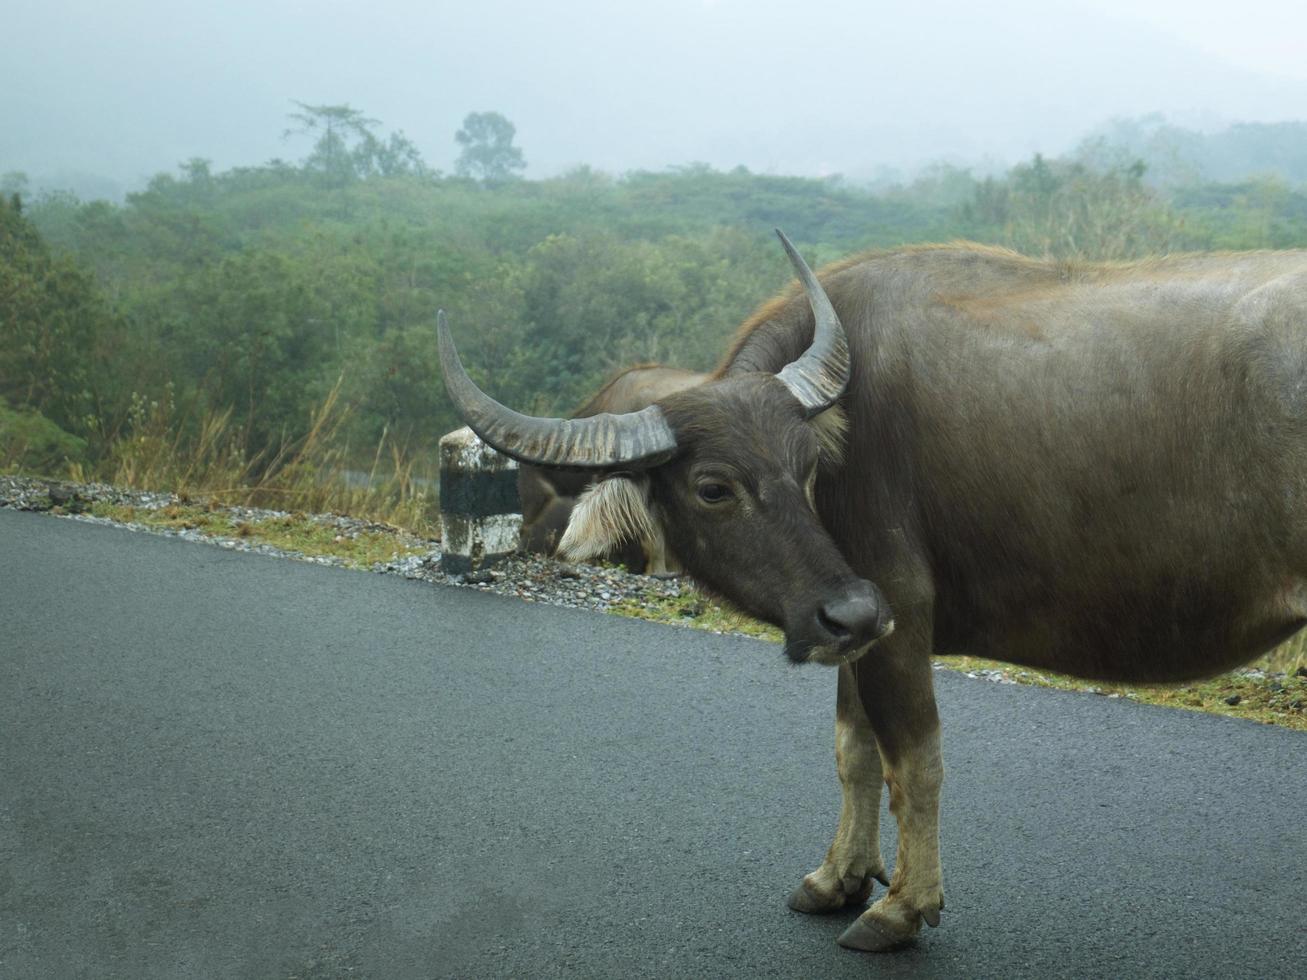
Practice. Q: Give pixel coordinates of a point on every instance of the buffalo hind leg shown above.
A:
(897, 691)
(853, 861)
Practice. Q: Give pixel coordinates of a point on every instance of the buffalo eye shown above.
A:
(715, 493)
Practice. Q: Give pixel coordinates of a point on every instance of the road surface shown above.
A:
(215, 764)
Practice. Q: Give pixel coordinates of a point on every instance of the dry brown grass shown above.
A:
(1288, 656)
(312, 472)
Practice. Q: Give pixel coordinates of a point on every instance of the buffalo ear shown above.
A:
(832, 428)
(608, 514)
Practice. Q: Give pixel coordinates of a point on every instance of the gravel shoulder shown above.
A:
(527, 577)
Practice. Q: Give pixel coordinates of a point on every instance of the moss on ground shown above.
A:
(289, 532)
(1273, 699)
(692, 608)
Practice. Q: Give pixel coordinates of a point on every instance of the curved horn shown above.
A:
(637, 439)
(821, 373)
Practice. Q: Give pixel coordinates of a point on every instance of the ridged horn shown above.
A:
(634, 439)
(821, 373)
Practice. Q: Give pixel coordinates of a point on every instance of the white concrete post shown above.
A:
(480, 515)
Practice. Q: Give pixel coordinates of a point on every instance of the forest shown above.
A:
(225, 328)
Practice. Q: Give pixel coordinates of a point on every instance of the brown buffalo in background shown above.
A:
(548, 495)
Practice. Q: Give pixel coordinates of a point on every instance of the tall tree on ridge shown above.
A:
(488, 151)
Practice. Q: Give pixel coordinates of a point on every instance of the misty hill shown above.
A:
(1177, 155)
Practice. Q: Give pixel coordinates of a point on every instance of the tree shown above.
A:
(338, 126)
(348, 148)
(1064, 209)
(488, 151)
(396, 156)
(52, 318)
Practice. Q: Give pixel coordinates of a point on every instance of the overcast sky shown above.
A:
(128, 88)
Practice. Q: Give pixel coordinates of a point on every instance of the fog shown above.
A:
(124, 90)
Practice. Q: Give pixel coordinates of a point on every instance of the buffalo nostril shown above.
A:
(855, 616)
(831, 625)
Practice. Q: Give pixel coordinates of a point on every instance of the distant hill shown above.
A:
(1176, 155)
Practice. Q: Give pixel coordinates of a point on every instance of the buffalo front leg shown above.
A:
(845, 877)
(895, 684)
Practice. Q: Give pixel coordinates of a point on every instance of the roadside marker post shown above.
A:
(480, 515)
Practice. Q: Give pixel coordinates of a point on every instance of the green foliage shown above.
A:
(53, 323)
(488, 152)
(810, 210)
(1260, 212)
(30, 442)
(249, 294)
(596, 304)
(1065, 209)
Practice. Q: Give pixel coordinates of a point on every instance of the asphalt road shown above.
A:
(216, 764)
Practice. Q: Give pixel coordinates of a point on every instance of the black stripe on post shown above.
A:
(480, 512)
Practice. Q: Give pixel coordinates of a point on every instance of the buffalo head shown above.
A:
(723, 474)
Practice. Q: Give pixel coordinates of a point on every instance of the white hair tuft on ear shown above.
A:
(606, 515)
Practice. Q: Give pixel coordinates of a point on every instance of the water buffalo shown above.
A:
(1094, 469)
(548, 495)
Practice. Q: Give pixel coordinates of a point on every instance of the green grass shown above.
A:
(692, 608)
(1271, 700)
(291, 532)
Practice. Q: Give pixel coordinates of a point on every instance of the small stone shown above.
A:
(37, 502)
(1233, 699)
(568, 571)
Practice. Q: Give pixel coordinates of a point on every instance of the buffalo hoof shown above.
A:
(849, 891)
(804, 899)
(878, 932)
(872, 936)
